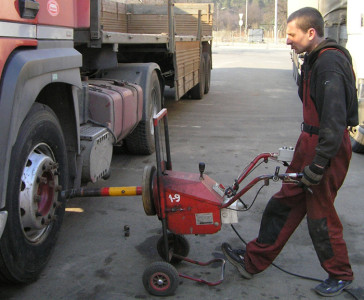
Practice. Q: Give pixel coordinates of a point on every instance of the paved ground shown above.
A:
(252, 107)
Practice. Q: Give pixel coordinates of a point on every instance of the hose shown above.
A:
(290, 273)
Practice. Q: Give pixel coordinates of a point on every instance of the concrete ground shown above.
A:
(252, 107)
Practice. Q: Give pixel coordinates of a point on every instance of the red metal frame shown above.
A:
(164, 169)
(199, 194)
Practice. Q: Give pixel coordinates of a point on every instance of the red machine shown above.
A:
(186, 203)
(191, 203)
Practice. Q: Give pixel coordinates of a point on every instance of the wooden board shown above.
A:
(185, 24)
(153, 19)
(113, 16)
(187, 63)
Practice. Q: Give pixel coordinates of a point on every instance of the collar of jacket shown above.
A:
(327, 43)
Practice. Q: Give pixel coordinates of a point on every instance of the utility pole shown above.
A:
(240, 23)
(246, 19)
(275, 21)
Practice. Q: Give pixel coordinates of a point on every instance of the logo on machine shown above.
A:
(53, 8)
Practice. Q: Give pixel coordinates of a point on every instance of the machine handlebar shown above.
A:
(233, 193)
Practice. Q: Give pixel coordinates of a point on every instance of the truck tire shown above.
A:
(198, 90)
(35, 210)
(357, 139)
(141, 140)
(207, 59)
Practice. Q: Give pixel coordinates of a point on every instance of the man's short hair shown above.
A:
(306, 18)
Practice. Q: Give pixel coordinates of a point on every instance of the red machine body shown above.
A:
(190, 203)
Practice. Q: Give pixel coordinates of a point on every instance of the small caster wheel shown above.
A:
(160, 279)
(177, 244)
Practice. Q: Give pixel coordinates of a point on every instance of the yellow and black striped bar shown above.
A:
(122, 191)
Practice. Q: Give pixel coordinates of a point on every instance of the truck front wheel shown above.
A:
(141, 140)
(38, 171)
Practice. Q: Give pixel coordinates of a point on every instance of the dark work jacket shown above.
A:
(333, 91)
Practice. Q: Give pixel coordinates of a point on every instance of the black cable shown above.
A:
(290, 273)
(246, 208)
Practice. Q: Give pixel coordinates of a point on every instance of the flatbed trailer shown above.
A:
(176, 36)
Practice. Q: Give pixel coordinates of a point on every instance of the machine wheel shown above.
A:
(198, 90)
(177, 244)
(35, 210)
(141, 140)
(160, 279)
(357, 139)
(207, 59)
(147, 190)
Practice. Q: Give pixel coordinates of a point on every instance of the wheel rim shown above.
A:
(38, 193)
(160, 281)
(148, 190)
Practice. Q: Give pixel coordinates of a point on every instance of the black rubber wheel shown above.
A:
(35, 210)
(198, 90)
(141, 140)
(147, 190)
(160, 279)
(207, 59)
(357, 139)
(177, 244)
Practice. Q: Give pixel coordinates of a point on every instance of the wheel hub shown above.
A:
(38, 193)
(160, 281)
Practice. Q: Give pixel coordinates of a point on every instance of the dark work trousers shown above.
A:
(286, 209)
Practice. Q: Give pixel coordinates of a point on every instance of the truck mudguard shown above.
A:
(26, 73)
(138, 73)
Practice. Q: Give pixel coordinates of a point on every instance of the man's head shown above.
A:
(305, 29)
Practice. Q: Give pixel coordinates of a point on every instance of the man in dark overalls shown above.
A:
(323, 152)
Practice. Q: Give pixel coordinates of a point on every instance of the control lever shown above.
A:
(276, 173)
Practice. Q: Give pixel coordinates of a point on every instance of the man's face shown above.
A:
(298, 40)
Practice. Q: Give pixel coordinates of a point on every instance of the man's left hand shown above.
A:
(312, 175)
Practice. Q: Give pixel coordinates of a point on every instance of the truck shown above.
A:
(78, 80)
(344, 22)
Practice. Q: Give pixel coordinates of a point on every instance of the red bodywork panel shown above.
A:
(7, 45)
(191, 204)
(65, 13)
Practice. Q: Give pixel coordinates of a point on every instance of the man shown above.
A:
(322, 153)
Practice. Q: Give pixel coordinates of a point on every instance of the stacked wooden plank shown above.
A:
(153, 19)
(113, 16)
(187, 17)
(187, 66)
